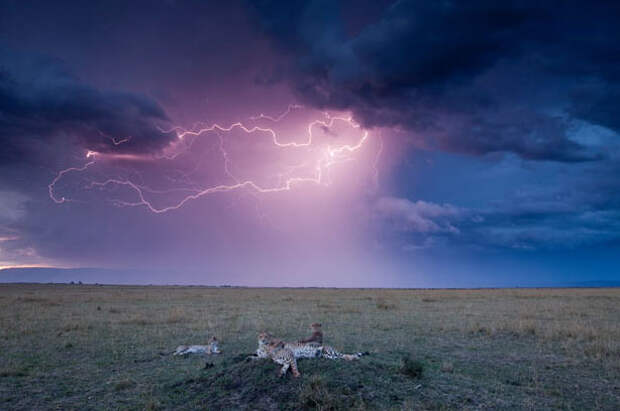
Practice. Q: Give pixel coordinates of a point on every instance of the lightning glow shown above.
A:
(328, 156)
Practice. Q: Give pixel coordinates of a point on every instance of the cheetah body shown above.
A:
(311, 350)
(278, 353)
(211, 348)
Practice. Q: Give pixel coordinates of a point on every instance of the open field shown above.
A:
(89, 347)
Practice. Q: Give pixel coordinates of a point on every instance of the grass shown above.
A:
(412, 368)
(81, 346)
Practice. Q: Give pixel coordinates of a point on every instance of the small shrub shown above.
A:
(478, 328)
(412, 368)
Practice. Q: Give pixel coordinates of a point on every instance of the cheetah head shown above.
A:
(264, 338)
(214, 345)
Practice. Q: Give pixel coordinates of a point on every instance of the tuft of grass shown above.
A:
(152, 405)
(447, 366)
(383, 304)
(137, 320)
(177, 316)
(13, 372)
(72, 327)
(37, 300)
(411, 368)
(315, 393)
(124, 385)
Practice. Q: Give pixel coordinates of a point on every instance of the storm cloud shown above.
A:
(41, 102)
(446, 71)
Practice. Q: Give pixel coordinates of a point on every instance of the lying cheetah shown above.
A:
(210, 348)
(307, 350)
(278, 353)
(317, 335)
(313, 350)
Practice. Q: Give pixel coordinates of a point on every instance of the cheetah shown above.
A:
(276, 350)
(211, 348)
(311, 349)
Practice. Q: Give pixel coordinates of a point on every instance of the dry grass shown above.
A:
(383, 304)
(514, 348)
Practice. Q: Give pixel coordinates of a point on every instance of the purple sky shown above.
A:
(312, 143)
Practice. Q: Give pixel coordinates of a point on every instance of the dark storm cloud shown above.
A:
(41, 102)
(445, 71)
(598, 103)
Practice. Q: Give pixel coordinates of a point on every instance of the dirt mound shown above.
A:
(325, 384)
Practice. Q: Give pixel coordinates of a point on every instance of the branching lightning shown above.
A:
(328, 156)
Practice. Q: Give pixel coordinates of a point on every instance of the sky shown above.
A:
(312, 143)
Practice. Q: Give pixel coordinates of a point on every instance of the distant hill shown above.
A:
(592, 284)
(93, 276)
(187, 277)
(64, 275)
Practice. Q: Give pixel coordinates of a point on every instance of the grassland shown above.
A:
(98, 347)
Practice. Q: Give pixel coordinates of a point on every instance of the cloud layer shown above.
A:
(493, 132)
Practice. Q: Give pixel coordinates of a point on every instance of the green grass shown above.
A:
(75, 347)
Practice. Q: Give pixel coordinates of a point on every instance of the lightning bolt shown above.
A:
(329, 156)
(115, 140)
(61, 173)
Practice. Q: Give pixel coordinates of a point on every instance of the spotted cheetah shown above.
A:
(277, 351)
(310, 349)
(211, 348)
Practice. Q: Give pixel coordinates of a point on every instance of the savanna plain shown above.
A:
(106, 347)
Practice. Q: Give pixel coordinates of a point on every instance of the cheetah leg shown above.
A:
(284, 369)
(294, 368)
